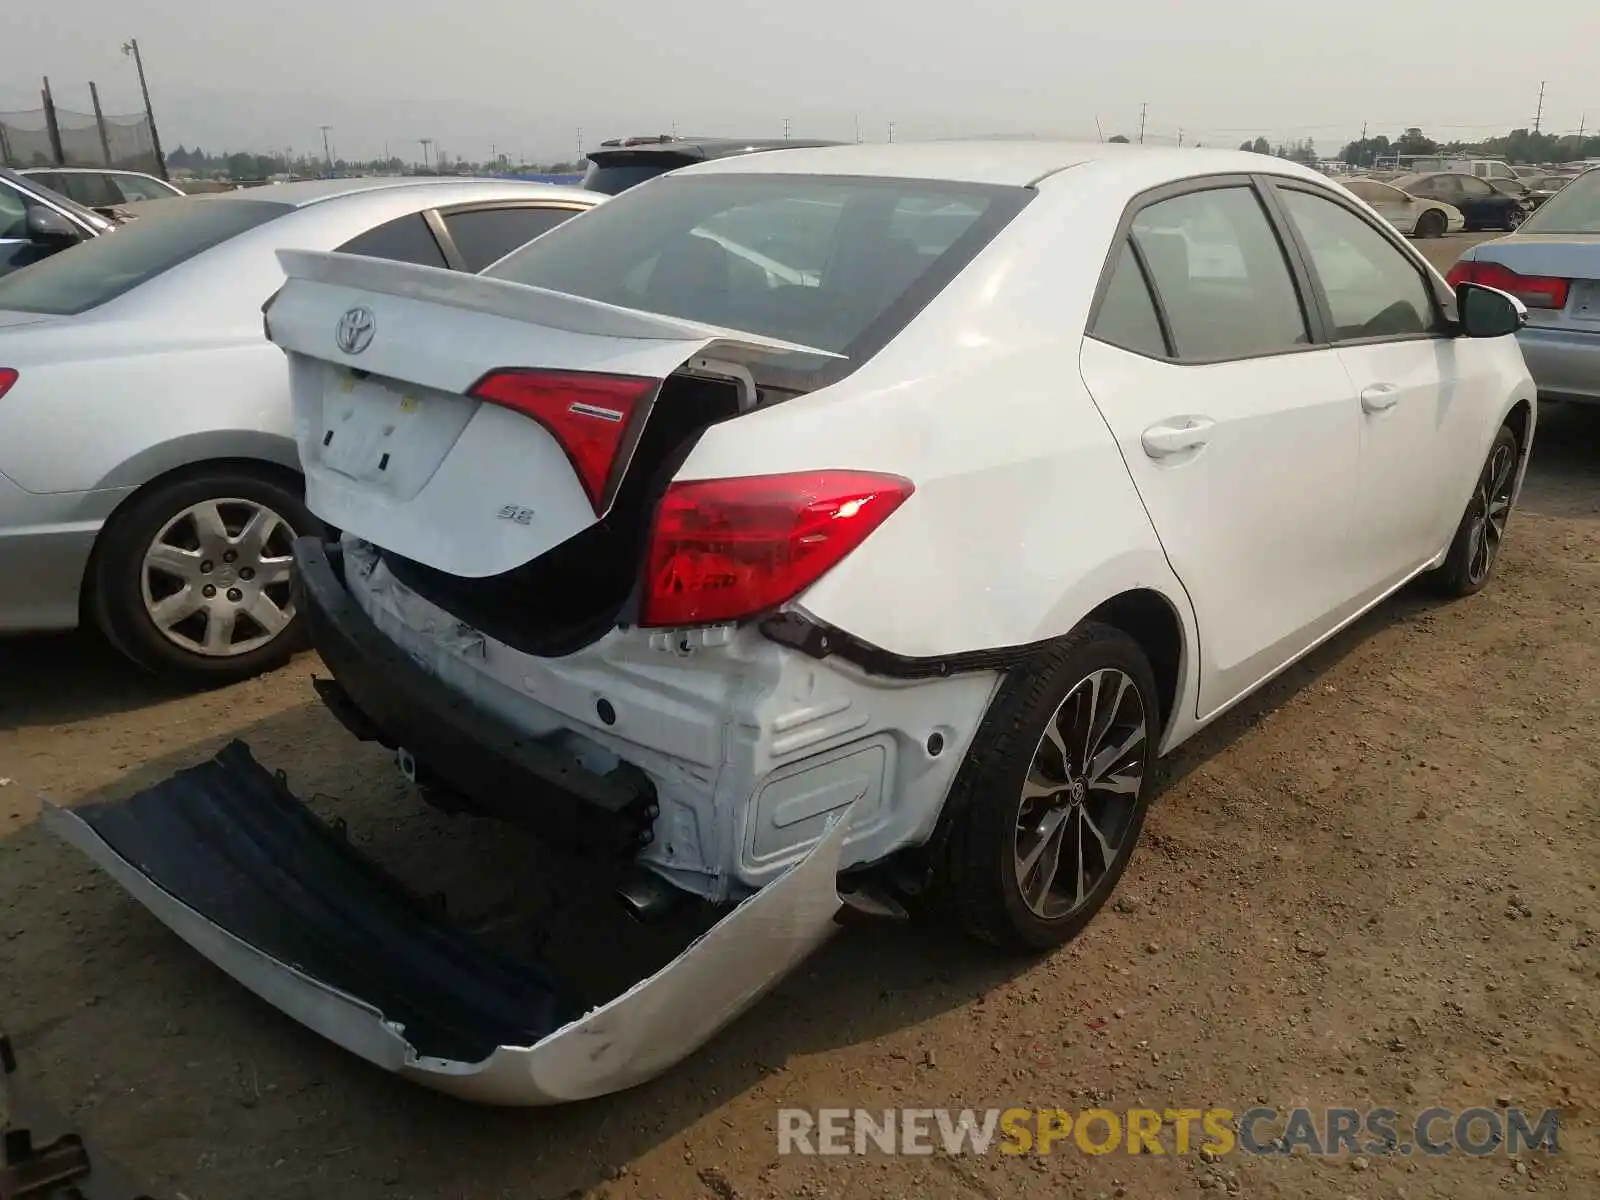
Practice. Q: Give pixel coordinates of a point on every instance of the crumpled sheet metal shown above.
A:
(629, 1040)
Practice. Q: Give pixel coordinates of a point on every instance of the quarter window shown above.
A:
(1127, 316)
(1373, 290)
(1220, 274)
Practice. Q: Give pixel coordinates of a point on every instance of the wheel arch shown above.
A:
(1151, 620)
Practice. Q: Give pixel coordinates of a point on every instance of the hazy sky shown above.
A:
(526, 76)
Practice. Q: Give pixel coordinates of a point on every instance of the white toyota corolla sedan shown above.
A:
(841, 526)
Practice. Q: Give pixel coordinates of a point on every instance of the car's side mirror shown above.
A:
(47, 227)
(1487, 312)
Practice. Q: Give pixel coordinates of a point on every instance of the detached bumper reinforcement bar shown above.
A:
(225, 856)
(379, 694)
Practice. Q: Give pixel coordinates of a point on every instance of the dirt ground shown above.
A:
(1374, 884)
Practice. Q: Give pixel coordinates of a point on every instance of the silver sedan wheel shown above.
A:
(216, 579)
(1078, 803)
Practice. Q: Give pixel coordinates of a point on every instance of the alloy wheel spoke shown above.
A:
(176, 608)
(1109, 758)
(209, 525)
(257, 532)
(1052, 730)
(219, 630)
(173, 560)
(266, 613)
(1123, 783)
(1107, 853)
(274, 571)
(1037, 873)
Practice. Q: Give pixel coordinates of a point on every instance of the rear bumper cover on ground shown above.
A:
(226, 857)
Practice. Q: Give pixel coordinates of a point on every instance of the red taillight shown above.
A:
(725, 549)
(590, 415)
(7, 378)
(1536, 291)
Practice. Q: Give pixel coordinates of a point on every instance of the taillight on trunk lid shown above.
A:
(593, 416)
(1536, 291)
(726, 549)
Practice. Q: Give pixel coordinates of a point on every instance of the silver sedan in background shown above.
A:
(1552, 264)
(148, 476)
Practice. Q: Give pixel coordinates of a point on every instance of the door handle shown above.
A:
(1379, 397)
(1176, 436)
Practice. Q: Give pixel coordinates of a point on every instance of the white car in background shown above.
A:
(884, 577)
(148, 473)
(1411, 215)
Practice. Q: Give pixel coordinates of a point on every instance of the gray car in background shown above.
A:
(1552, 264)
(149, 481)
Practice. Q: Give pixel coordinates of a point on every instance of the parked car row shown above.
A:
(596, 540)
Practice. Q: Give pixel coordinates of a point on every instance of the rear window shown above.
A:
(96, 271)
(841, 264)
(616, 173)
(1574, 209)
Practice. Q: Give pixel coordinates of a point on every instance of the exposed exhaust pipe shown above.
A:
(648, 897)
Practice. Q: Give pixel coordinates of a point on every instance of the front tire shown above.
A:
(1514, 219)
(1431, 224)
(191, 580)
(1046, 809)
(1476, 545)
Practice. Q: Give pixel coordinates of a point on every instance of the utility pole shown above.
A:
(1180, 137)
(327, 153)
(580, 143)
(51, 125)
(425, 143)
(858, 128)
(131, 46)
(1098, 132)
(786, 129)
(1142, 110)
(1539, 115)
(891, 131)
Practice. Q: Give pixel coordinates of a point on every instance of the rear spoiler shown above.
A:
(519, 302)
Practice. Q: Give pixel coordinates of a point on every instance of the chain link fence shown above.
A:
(124, 142)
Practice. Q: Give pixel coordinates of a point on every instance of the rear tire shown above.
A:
(225, 529)
(1045, 811)
(1476, 545)
(1514, 219)
(1431, 224)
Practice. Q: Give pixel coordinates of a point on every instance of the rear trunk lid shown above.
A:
(1572, 257)
(388, 363)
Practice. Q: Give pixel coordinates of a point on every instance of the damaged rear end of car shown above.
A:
(547, 619)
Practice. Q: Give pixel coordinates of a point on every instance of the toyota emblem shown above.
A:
(355, 330)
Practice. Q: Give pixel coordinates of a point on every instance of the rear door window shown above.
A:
(133, 187)
(1221, 275)
(486, 235)
(405, 239)
(91, 189)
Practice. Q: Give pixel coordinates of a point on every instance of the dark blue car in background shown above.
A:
(1480, 204)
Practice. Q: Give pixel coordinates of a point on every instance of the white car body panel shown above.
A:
(1052, 474)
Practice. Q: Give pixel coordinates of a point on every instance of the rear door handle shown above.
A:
(1176, 436)
(1379, 397)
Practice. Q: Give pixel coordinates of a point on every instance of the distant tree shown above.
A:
(1261, 146)
(1119, 139)
(1414, 141)
(242, 166)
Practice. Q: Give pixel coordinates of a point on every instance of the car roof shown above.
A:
(305, 192)
(700, 148)
(84, 171)
(1021, 163)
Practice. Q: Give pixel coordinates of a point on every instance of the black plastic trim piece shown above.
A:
(378, 691)
(821, 641)
(229, 840)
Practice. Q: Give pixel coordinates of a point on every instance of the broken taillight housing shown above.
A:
(726, 549)
(1536, 291)
(592, 416)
